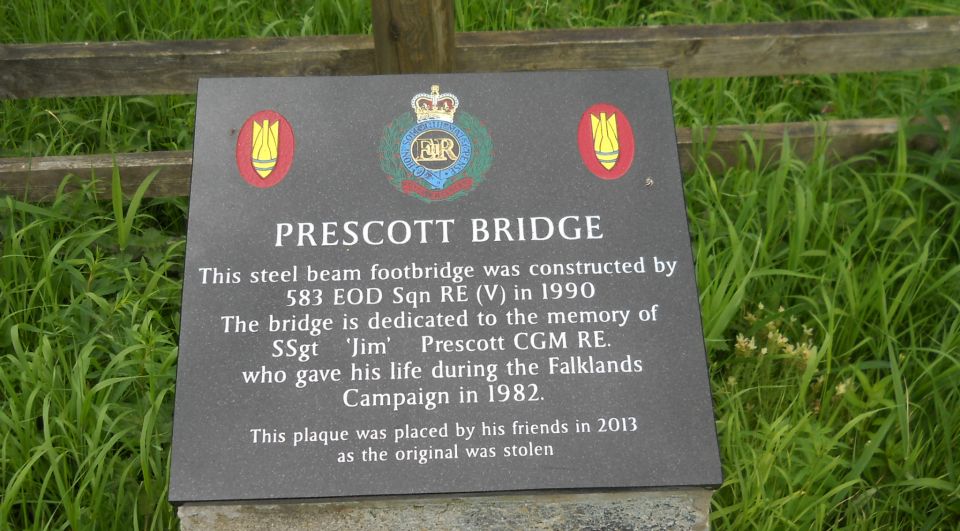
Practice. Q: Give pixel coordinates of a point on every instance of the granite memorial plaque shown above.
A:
(438, 284)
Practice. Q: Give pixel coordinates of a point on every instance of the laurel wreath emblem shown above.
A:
(479, 163)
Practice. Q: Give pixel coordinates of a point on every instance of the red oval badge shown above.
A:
(265, 148)
(605, 139)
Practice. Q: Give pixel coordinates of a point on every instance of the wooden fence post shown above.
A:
(413, 36)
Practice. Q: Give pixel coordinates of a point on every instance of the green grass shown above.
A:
(46, 126)
(831, 299)
(89, 318)
(842, 410)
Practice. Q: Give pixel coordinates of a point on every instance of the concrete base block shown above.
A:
(633, 509)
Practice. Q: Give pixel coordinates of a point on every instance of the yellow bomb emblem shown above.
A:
(605, 141)
(265, 146)
(264, 153)
(606, 146)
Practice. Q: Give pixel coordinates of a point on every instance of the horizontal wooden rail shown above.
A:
(718, 147)
(38, 178)
(725, 50)
(173, 67)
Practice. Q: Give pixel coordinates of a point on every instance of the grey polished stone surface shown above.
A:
(685, 509)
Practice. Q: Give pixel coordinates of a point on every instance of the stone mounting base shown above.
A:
(687, 508)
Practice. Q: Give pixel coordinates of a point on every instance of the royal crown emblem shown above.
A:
(432, 155)
(435, 106)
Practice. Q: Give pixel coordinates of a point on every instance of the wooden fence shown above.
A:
(417, 36)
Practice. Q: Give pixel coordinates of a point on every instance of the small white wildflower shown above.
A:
(843, 386)
(745, 345)
(807, 352)
(782, 340)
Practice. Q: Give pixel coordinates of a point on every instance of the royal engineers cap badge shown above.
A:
(430, 155)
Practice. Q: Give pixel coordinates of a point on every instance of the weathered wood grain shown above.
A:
(171, 67)
(38, 178)
(413, 36)
(94, 69)
(718, 147)
(724, 50)
(724, 146)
